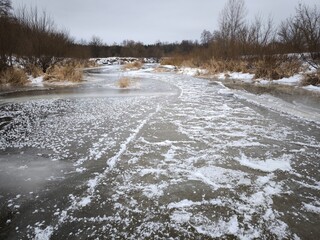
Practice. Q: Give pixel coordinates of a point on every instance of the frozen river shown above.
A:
(172, 157)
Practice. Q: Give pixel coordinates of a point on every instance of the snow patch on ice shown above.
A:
(312, 88)
(43, 234)
(180, 217)
(226, 92)
(216, 229)
(85, 201)
(267, 165)
(154, 190)
(311, 208)
(293, 80)
(183, 204)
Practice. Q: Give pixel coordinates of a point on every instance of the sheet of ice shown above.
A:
(199, 163)
(281, 106)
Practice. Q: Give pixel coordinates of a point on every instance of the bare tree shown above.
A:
(232, 19)
(308, 22)
(206, 37)
(43, 44)
(261, 33)
(95, 45)
(231, 25)
(5, 7)
(291, 36)
(302, 32)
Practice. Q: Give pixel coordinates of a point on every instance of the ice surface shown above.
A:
(197, 161)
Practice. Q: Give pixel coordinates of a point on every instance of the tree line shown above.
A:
(238, 37)
(32, 36)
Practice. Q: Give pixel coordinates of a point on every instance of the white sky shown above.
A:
(149, 20)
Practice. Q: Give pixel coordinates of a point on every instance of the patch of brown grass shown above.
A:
(311, 79)
(13, 76)
(269, 67)
(175, 61)
(86, 63)
(132, 65)
(275, 67)
(218, 66)
(33, 70)
(66, 71)
(124, 82)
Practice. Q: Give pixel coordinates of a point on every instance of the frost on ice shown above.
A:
(177, 158)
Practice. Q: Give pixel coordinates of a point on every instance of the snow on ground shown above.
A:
(199, 161)
(249, 78)
(294, 80)
(312, 88)
(192, 71)
(36, 81)
(121, 60)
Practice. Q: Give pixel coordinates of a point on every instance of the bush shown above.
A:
(13, 76)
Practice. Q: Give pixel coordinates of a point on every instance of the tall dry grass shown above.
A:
(175, 61)
(124, 82)
(217, 66)
(277, 67)
(13, 76)
(311, 79)
(132, 66)
(266, 67)
(65, 71)
(33, 70)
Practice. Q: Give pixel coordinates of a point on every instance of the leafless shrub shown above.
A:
(13, 76)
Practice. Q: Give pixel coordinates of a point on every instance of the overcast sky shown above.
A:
(149, 20)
